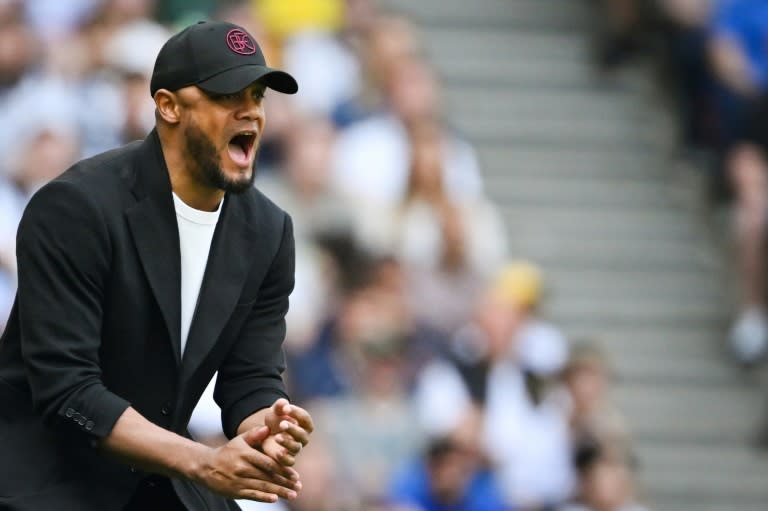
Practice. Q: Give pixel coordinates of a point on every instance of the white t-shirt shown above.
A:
(196, 230)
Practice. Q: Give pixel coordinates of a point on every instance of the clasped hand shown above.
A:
(257, 464)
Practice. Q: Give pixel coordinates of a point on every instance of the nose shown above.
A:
(251, 109)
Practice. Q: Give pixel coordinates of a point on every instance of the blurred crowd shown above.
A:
(415, 338)
(713, 57)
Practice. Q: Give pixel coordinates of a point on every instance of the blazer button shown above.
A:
(167, 409)
(69, 413)
(89, 425)
(81, 420)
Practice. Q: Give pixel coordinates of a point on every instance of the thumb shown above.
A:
(275, 414)
(255, 436)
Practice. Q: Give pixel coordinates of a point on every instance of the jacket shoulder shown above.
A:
(104, 171)
(269, 215)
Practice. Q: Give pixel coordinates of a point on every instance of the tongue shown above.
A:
(238, 155)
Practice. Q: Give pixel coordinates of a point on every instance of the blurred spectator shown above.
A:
(130, 53)
(38, 157)
(381, 42)
(740, 62)
(448, 246)
(686, 35)
(324, 489)
(55, 20)
(25, 88)
(326, 62)
(302, 189)
(356, 377)
(373, 155)
(115, 106)
(540, 345)
(372, 429)
(619, 31)
(524, 432)
(447, 478)
(283, 19)
(371, 315)
(605, 484)
(593, 417)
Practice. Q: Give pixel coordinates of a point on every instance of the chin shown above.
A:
(238, 180)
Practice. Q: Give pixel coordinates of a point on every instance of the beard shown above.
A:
(205, 162)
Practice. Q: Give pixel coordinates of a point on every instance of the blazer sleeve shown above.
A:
(250, 377)
(63, 253)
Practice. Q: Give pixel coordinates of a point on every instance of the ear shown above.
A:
(168, 106)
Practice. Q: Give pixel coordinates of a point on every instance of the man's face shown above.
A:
(221, 134)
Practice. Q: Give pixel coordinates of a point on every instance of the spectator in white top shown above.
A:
(539, 344)
(448, 246)
(524, 432)
(373, 156)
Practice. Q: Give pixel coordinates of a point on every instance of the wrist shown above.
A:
(255, 420)
(193, 465)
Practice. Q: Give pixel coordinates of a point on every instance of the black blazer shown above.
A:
(96, 327)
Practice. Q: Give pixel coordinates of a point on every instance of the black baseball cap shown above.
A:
(218, 57)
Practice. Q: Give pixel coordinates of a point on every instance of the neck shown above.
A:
(183, 183)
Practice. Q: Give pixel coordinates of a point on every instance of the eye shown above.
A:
(258, 95)
(223, 97)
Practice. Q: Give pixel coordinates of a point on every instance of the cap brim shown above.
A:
(238, 78)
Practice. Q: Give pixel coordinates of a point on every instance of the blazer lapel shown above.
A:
(152, 221)
(233, 253)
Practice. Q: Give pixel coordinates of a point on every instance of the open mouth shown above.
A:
(241, 148)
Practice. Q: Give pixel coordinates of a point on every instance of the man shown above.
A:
(142, 271)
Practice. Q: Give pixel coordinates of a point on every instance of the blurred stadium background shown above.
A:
(530, 234)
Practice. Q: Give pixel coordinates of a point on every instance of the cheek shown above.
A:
(213, 126)
(262, 122)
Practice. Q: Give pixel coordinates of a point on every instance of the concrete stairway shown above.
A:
(579, 168)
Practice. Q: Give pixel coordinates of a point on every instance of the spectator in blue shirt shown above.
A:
(448, 478)
(739, 56)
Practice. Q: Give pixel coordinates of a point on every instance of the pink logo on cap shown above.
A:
(240, 42)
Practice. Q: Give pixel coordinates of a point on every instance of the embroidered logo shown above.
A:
(240, 42)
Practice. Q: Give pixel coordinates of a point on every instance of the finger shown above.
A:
(280, 405)
(285, 477)
(292, 474)
(302, 417)
(275, 414)
(286, 459)
(267, 487)
(271, 467)
(281, 480)
(297, 432)
(255, 436)
(258, 496)
(253, 473)
(289, 443)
